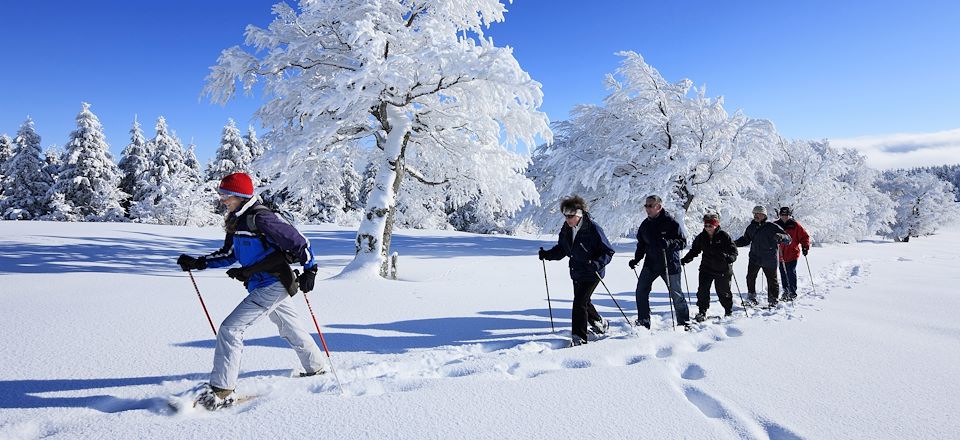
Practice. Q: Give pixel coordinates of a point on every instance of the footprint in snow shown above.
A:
(665, 352)
(576, 363)
(693, 372)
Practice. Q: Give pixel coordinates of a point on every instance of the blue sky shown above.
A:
(817, 69)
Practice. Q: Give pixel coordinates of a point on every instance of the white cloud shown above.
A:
(906, 150)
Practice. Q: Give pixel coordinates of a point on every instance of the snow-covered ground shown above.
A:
(99, 327)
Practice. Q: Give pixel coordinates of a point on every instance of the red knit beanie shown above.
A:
(237, 184)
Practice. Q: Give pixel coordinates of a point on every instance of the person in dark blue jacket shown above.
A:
(764, 238)
(659, 241)
(263, 244)
(584, 242)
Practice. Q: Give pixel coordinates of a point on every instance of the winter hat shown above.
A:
(711, 219)
(785, 211)
(759, 210)
(237, 184)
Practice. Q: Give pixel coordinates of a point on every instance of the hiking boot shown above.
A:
(793, 296)
(213, 398)
(642, 322)
(727, 313)
(576, 340)
(315, 373)
(700, 317)
(600, 327)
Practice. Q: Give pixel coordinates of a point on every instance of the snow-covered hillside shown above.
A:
(99, 327)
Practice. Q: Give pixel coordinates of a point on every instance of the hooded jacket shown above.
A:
(589, 252)
(798, 238)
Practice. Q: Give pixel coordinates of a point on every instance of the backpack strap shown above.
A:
(251, 218)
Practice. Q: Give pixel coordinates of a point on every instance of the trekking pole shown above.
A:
(666, 279)
(807, 260)
(783, 266)
(547, 285)
(739, 293)
(611, 297)
(201, 303)
(687, 282)
(323, 342)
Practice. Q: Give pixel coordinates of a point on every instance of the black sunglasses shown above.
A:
(569, 215)
(648, 205)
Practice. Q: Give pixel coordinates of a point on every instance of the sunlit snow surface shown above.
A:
(100, 329)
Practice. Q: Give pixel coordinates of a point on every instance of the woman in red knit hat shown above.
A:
(264, 245)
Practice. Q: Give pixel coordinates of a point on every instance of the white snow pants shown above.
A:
(264, 301)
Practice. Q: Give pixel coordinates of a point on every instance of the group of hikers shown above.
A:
(265, 245)
(660, 238)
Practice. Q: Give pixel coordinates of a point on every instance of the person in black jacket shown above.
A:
(584, 242)
(763, 238)
(719, 253)
(660, 239)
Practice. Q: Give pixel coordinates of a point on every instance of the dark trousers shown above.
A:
(724, 294)
(583, 310)
(645, 285)
(773, 289)
(788, 271)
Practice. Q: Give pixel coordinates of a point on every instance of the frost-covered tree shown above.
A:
(134, 161)
(6, 153)
(812, 176)
(171, 193)
(89, 180)
(922, 201)
(652, 136)
(398, 75)
(26, 183)
(253, 143)
(233, 155)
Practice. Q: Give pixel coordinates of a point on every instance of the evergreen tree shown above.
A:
(6, 153)
(88, 179)
(254, 145)
(171, 192)
(134, 161)
(233, 156)
(26, 182)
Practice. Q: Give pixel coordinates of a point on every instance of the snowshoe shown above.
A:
(576, 340)
(700, 317)
(213, 398)
(600, 327)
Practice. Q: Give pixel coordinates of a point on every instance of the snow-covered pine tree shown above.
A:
(171, 192)
(652, 137)
(26, 182)
(253, 143)
(923, 203)
(134, 161)
(89, 180)
(233, 155)
(399, 75)
(6, 153)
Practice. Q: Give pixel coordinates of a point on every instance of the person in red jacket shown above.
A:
(790, 252)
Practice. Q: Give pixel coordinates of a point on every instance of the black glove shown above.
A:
(542, 254)
(595, 265)
(633, 263)
(187, 262)
(685, 260)
(307, 279)
(662, 243)
(805, 250)
(238, 274)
